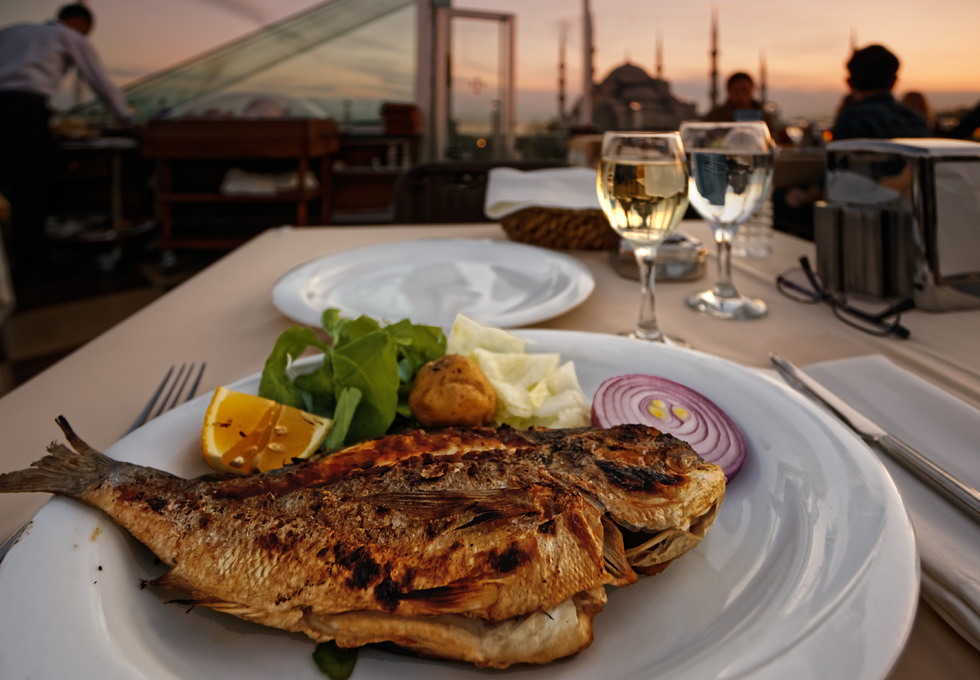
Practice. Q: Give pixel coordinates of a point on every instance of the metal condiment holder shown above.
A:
(681, 258)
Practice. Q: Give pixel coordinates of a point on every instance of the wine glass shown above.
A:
(642, 185)
(731, 171)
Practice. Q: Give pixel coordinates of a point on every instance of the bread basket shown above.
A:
(560, 228)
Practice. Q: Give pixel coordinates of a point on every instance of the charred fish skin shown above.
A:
(423, 538)
(448, 536)
(646, 480)
(366, 545)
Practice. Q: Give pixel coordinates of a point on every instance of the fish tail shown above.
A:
(63, 471)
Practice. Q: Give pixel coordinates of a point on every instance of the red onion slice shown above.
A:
(673, 408)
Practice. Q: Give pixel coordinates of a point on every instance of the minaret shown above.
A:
(660, 57)
(763, 87)
(561, 77)
(714, 57)
(585, 116)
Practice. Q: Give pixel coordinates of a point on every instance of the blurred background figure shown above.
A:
(873, 111)
(918, 103)
(754, 235)
(968, 127)
(740, 103)
(34, 59)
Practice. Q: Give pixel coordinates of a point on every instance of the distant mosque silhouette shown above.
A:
(631, 99)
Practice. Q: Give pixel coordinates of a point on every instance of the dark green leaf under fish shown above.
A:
(337, 663)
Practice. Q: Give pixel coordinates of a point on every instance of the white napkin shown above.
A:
(510, 190)
(238, 182)
(947, 431)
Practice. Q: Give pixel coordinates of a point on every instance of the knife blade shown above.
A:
(965, 497)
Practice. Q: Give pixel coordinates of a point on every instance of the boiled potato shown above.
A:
(452, 390)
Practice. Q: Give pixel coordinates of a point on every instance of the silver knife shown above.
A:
(963, 496)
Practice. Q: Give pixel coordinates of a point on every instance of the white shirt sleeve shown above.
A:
(90, 67)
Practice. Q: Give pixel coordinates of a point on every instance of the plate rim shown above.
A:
(583, 281)
(893, 647)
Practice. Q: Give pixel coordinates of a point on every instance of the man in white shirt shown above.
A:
(34, 59)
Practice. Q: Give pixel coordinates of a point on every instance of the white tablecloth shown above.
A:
(225, 316)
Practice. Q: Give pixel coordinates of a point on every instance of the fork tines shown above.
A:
(172, 390)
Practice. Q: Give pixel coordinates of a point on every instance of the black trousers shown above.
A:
(25, 161)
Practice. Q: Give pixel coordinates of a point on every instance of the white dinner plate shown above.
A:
(499, 283)
(810, 570)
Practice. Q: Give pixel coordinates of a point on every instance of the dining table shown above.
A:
(224, 316)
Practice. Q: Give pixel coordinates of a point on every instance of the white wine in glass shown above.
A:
(731, 171)
(642, 185)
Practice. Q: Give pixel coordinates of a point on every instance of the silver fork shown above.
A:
(171, 391)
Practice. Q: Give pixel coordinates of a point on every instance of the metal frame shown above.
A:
(433, 85)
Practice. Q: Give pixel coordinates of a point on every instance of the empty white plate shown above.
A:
(429, 281)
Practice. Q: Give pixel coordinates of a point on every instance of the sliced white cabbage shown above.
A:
(532, 389)
(467, 334)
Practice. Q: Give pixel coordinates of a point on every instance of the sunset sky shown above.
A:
(805, 45)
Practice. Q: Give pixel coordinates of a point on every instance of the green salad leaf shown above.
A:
(275, 383)
(337, 663)
(364, 378)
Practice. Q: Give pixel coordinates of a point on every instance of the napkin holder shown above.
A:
(900, 221)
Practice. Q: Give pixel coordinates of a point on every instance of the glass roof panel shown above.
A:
(229, 66)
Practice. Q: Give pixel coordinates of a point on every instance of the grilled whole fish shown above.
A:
(489, 546)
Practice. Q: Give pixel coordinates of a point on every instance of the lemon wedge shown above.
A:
(243, 433)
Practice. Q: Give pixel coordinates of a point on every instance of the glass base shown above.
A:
(739, 308)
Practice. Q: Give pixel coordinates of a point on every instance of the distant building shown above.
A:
(630, 99)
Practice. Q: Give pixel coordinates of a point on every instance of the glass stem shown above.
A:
(724, 288)
(646, 324)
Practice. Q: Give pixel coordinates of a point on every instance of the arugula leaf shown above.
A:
(347, 402)
(418, 345)
(337, 663)
(364, 379)
(369, 363)
(275, 383)
(346, 330)
(318, 385)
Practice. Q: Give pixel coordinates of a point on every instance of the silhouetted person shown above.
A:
(740, 104)
(34, 59)
(846, 102)
(918, 103)
(968, 127)
(873, 111)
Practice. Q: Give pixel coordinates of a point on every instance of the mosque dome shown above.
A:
(627, 74)
(629, 98)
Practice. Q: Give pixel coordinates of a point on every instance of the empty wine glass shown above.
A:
(642, 185)
(731, 171)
